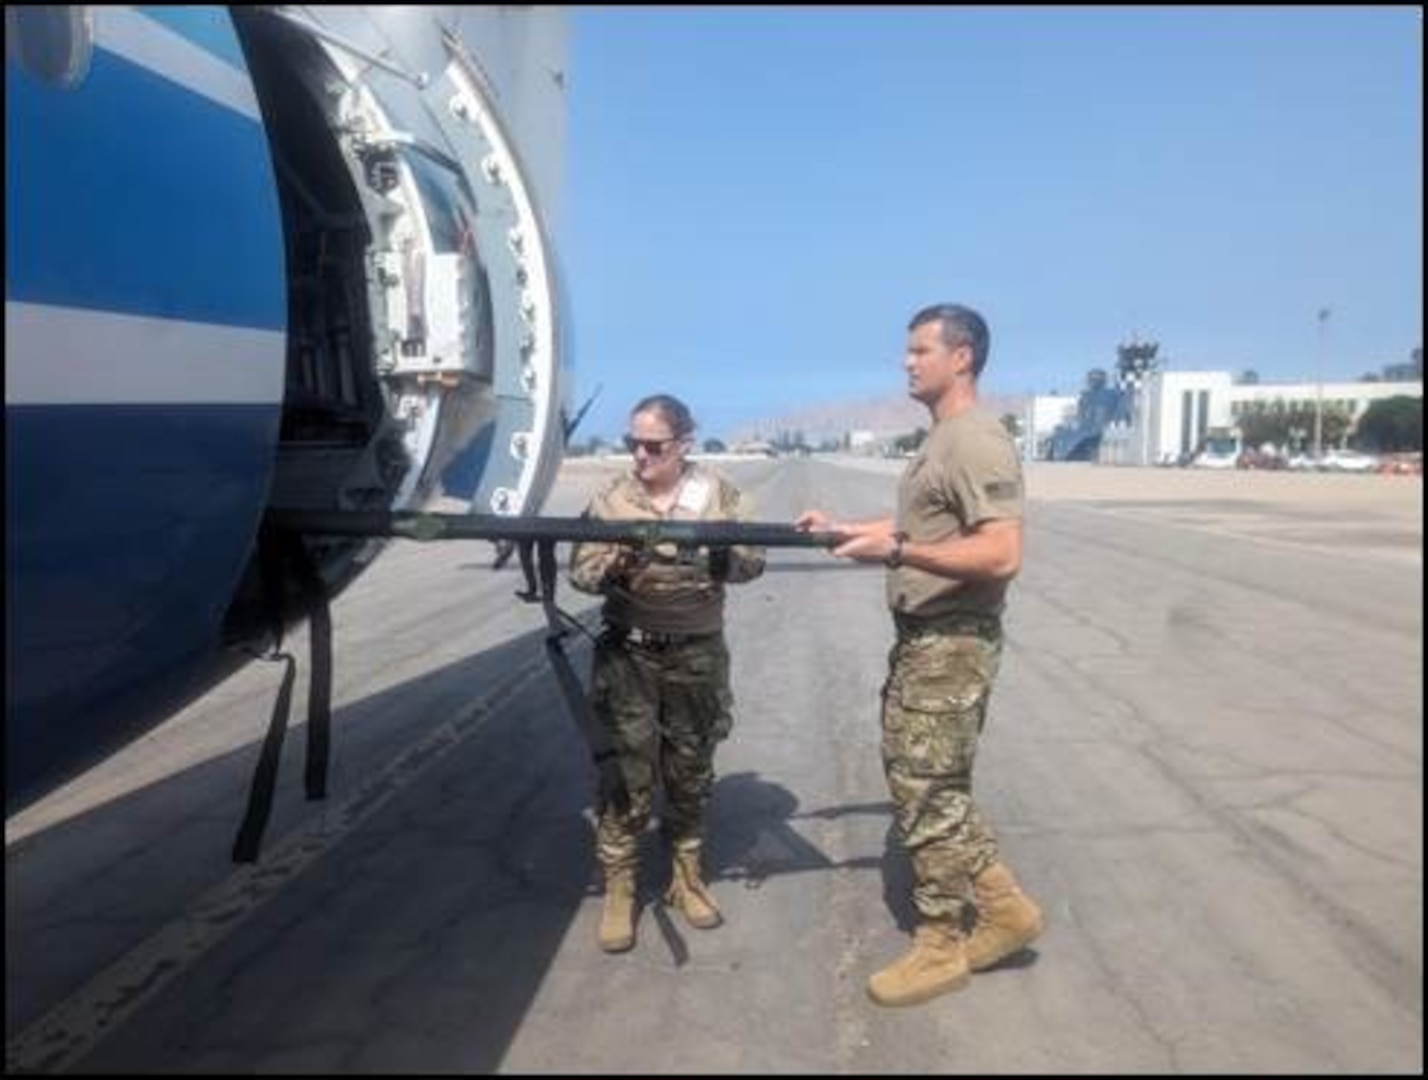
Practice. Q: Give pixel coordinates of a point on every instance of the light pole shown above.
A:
(1028, 438)
(1319, 384)
(1145, 418)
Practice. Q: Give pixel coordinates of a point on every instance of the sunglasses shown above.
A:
(652, 447)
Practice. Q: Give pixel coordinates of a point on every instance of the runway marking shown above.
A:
(75, 1026)
(1408, 554)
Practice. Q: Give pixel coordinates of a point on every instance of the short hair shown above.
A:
(960, 326)
(675, 412)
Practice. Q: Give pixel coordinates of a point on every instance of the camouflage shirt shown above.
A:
(663, 592)
(967, 472)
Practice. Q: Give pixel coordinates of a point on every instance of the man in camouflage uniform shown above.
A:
(951, 551)
(660, 673)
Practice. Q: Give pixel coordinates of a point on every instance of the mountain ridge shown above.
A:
(884, 416)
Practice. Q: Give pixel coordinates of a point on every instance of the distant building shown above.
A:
(862, 441)
(1049, 412)
(1169, 418)
(1410, 372)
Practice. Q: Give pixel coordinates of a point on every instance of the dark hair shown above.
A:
(960, 326)
(675, 412)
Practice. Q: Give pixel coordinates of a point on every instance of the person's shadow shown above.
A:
(753, 838)
(748, 838)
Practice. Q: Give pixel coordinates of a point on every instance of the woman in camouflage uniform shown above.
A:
(660, 674)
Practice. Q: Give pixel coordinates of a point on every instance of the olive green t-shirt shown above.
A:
(967, 472)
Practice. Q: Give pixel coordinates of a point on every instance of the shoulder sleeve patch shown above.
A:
(1000, 490)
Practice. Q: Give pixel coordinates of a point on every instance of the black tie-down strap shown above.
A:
(540, 554)
(275, 548)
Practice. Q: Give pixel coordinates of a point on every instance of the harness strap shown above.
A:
(265, 773)
(319, 687)
(273, 549)
(613, 789)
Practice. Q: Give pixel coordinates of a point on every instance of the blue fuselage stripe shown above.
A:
(210, 28)
(127, 530)
(129, 193)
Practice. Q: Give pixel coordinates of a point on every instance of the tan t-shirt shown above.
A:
(967, 472)
(665, 595)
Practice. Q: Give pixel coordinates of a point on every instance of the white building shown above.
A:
(1048, 412)
(1177, 408)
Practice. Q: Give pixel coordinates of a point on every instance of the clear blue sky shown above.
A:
(757, 199)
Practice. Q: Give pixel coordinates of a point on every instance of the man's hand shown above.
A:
(865, 541)
(818, 521)
(868, 546)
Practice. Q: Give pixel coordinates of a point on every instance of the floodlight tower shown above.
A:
(1135, 363)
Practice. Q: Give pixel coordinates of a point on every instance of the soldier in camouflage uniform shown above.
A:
(951, 551)
(660, 673)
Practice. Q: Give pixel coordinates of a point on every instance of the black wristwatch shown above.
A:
(894, 559)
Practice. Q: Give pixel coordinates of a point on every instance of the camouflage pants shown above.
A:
(665, 710)
(934, 708)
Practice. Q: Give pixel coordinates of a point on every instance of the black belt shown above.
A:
(654, 639)
(977, 624)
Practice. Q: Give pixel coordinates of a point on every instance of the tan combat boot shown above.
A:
(936, 964)
(1007, 919)
(617, 921)
(688, 892)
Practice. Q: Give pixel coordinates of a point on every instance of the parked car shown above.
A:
(1402, 464)
(1215, 459)
(1349, 461)
(1261, 459)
